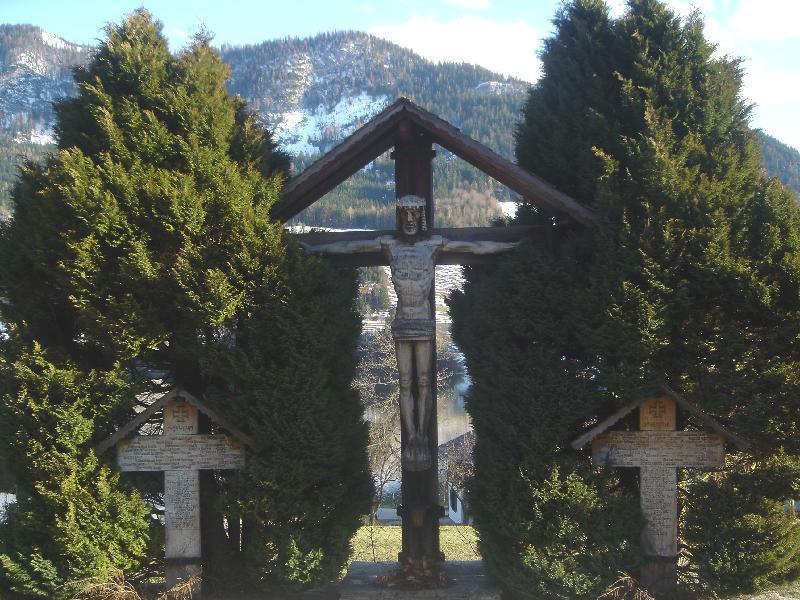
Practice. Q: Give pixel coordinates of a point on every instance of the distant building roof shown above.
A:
(458, 442)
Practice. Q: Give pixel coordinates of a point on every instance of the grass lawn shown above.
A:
(459, 542)
(383, 542)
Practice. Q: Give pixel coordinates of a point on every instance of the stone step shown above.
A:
(469, 583)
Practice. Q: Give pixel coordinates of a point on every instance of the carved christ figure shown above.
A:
(412, 258)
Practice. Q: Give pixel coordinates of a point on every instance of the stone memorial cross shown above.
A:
(658, 451)
(180, 452)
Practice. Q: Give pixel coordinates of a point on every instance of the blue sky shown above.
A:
(503, 35)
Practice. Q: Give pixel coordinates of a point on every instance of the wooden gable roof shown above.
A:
(378, 135)
(176, 393)
(690, 408)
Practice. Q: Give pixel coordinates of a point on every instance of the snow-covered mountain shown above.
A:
(315, 91)
(35, 69)
(311, 92)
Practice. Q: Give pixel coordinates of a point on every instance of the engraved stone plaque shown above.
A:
(658, 451)
(674, 449)
(182, 513)
(180, 418)
(659, 502)
(657, 414)
(167, 453)
(658, 454)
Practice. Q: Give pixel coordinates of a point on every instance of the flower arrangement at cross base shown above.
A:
(415, 574)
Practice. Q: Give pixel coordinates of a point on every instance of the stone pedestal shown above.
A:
(469, 583)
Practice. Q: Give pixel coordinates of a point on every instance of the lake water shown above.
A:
(5, 500)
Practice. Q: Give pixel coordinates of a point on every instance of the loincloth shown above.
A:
(413, 329)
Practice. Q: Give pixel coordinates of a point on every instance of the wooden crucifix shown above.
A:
(181, 453)
(412, 258)
(411, 132)
(412, 253)
(658, 451)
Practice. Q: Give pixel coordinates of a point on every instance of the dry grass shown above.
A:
(186, 590)
(625, 588)
(790, 591)
(117, 588)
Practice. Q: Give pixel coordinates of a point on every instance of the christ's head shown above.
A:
(411, 215)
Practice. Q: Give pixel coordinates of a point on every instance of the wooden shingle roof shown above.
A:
(690, 408)
(176, 393)
(381, 133)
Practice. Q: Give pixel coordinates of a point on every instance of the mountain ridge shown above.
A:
(313, 92)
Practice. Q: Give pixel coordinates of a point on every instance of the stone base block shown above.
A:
(469, 583)
(182, 572)
(659, 575)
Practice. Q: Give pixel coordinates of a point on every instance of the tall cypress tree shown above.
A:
(691, 278)
(145, 245)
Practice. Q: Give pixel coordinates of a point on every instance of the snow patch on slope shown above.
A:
(35, 63)
(494, 87)
(304, 131)
(509, 208)
(41, 137)
(54, 41)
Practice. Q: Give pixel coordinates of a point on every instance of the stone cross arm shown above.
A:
(674, 449)
(658, 451)
(659, 454)
(179, 453)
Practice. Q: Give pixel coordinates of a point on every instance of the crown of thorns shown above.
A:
(411, 201)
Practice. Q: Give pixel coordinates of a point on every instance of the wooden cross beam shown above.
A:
(658, 451)
(181, 453)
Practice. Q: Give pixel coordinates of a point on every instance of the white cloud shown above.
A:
(760, 76)
(765, 34)
(470, 4)
(362, 7)
(178, 37)
(508, 47)
(776, 93)
(684, 8)
(617, 7)
(766, 20)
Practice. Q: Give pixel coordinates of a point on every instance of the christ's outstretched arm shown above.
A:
(351, 247)
(478, 247)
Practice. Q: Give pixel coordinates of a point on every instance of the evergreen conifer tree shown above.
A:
(144, 246)
(691, 278)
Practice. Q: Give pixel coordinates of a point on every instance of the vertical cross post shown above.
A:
(658, 450)
(181, 502)
(420, 510)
